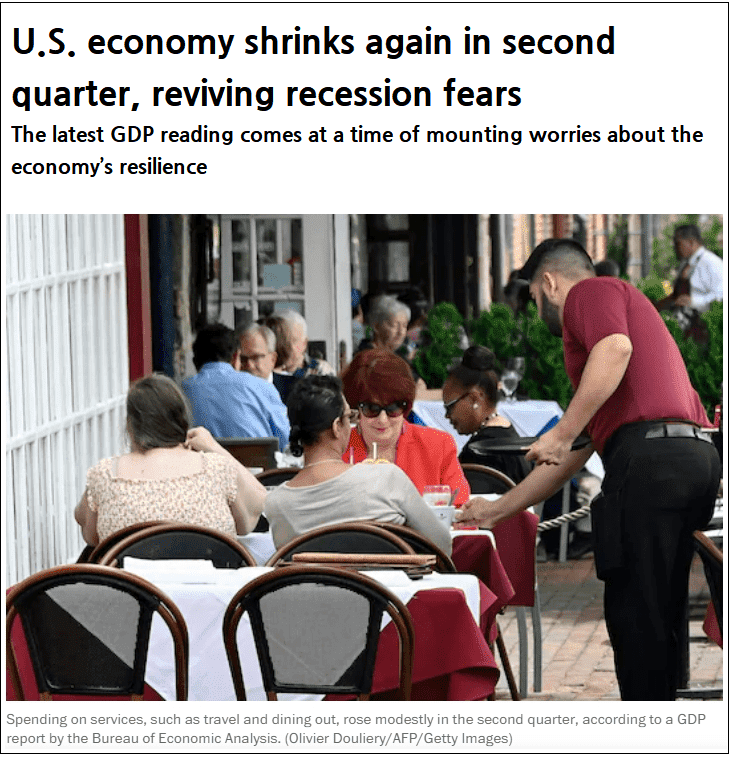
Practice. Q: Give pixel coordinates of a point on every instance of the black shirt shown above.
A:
(513, 465)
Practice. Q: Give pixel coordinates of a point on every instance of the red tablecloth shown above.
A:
(27, 677)
(463, 669)
(711, 627)
(475, 554)
(515, 539)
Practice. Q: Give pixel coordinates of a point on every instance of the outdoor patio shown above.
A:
(577, 656)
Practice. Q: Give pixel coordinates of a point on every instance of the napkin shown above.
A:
(172, 571)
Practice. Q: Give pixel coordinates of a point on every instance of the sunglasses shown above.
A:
(371, 410)
(449, 406)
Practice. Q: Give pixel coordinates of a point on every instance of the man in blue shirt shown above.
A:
(226, 401)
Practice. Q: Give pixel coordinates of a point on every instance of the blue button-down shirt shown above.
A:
(230, 403)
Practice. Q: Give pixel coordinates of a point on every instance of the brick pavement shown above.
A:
(577, 656)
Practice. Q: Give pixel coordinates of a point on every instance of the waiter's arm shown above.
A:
(536, 487)
(604, 369)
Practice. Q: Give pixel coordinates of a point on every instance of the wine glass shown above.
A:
(511, 377)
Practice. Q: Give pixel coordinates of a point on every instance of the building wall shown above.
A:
(65, 377)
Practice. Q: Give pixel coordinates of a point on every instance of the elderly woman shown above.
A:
(388, 318)
(470, 401)
(169, 474)
(327, 490)
(380, 386)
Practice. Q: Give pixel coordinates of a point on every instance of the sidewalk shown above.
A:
(577, 656)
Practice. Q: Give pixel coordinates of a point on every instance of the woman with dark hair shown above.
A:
(380, 386)
(470, 402)
(171, 473)
(328, 490)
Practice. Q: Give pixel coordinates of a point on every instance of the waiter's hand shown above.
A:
(551, 448)
(478, 512)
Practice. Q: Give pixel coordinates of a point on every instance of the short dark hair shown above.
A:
(608, 267)
(564, 254)
(213, 344)
(314, 403)
(688, 231)
(157, 414)
(379, 375)
(477, 369)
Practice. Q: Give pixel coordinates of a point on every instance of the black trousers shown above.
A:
(656, 492)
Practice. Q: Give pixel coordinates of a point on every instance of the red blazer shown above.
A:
(427, 455)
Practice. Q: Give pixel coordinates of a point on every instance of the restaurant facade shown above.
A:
(95, 301)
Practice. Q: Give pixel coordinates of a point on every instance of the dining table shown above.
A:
(458, 608)
(452, 615)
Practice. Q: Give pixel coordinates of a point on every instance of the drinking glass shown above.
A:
(437, 495)
(511, 377)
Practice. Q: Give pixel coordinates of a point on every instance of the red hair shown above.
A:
(378, 376)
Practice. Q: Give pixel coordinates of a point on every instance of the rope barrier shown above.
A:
(581, 512)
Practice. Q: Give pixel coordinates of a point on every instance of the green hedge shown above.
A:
(545, 376)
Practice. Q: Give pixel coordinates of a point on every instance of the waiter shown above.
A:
(634, 399)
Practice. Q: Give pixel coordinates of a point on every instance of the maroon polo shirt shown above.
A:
(656, 385)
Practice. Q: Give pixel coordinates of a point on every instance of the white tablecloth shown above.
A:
(203, 598)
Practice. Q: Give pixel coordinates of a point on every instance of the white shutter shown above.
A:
(65, 376)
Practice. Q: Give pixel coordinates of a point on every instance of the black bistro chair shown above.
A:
(421, 545)
(87, 631)
(276, 476)
(180, 541)
(485, 480)
(95, 554)
(711, 557)
(316, 630)
(252, 452)
(355, 537)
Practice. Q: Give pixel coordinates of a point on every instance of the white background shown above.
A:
(669, 68)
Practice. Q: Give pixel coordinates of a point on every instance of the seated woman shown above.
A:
(327, 490)
(170, 474)
(389, 318)
(470, 400)
(380, 386)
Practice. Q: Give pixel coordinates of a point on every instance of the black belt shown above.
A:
(673, 430)
(655, 430)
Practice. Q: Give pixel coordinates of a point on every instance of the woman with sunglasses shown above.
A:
(470, 403)
(327, 490)
(380, 386)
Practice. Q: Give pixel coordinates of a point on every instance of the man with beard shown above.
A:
(634, 399)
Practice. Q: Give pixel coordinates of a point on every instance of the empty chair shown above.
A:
(316, 631)
(348, 538)
(485, 480)
(518, 531)
(252, 452)
(87, 632)
(711, 557)
(180, 541)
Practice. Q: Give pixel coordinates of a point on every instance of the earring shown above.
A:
(475, 405)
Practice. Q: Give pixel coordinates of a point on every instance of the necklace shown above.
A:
(489, 418)
(319, 462)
